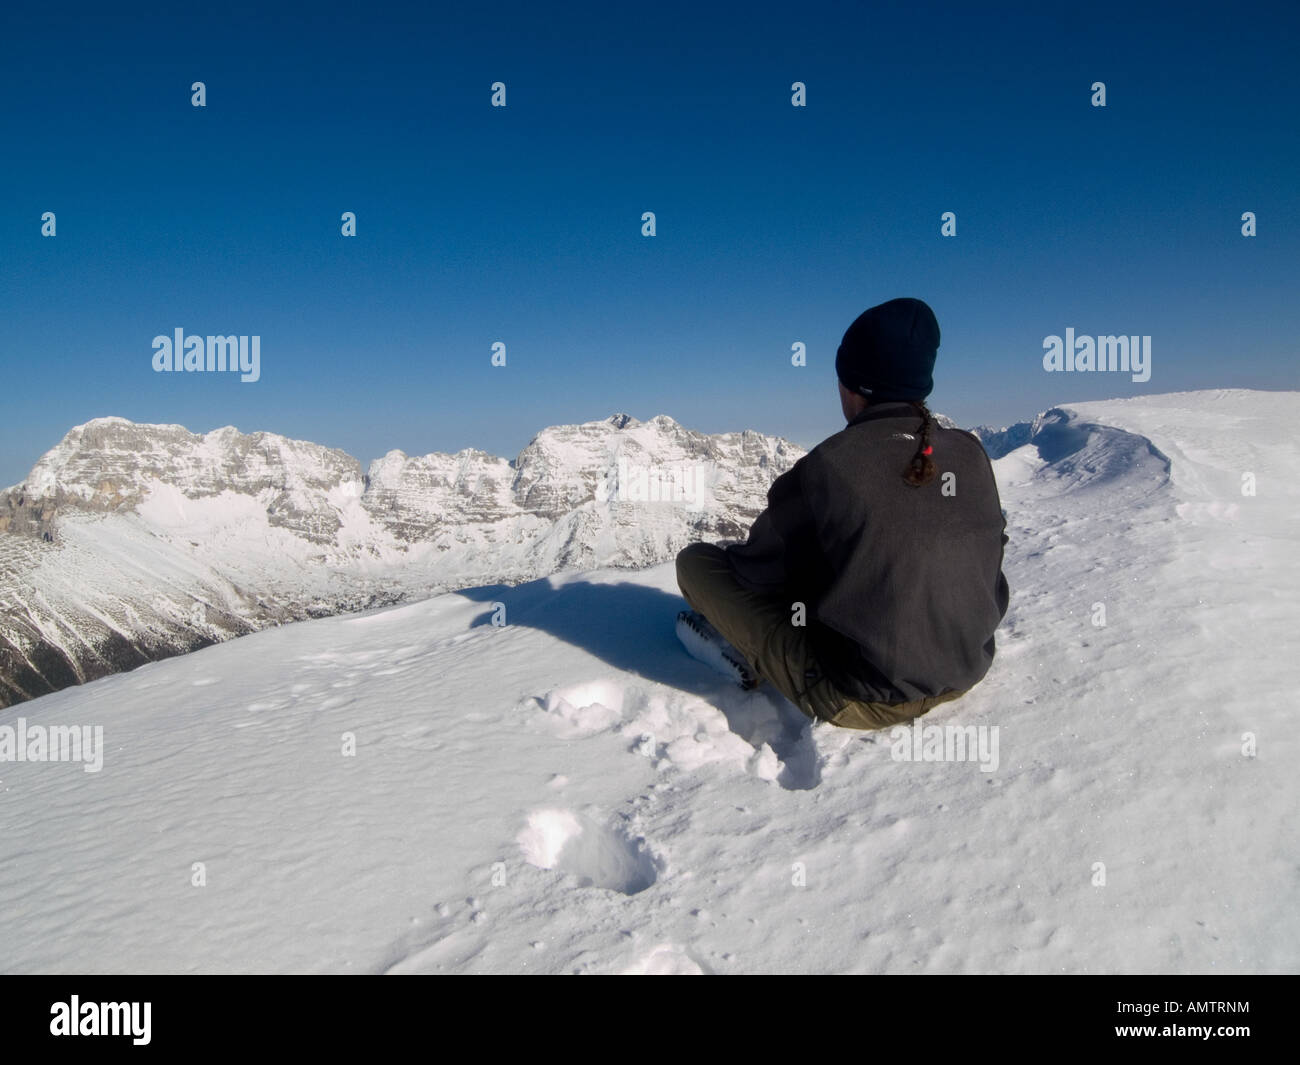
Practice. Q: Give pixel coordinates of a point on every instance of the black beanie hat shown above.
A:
(888, 352)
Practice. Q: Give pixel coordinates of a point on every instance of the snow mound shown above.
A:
(1086, 455)
(598, 856)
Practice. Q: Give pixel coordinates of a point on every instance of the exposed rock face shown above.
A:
(110, 464)
(127, 543)
(415, 496)
(999, 442)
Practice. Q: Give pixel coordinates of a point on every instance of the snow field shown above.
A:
(570, 793)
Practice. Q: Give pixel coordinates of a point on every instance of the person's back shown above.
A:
(869, 589)
(910, 590)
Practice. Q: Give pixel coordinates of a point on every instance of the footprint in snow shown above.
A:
(747, 730)
(579, 846)
(667, 959)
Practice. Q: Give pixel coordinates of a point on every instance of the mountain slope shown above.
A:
(569, 792)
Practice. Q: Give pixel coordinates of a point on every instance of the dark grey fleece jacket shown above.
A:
(903, 586)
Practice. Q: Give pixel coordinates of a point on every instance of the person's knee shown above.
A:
(699, 549)
(691, 557)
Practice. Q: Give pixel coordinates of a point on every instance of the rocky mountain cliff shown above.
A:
(128, 543)
(999, 442)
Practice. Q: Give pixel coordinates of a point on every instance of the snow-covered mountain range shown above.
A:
(128, 543)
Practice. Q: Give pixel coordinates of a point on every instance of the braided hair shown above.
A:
(921, 469)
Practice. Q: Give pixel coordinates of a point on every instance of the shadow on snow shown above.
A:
(632, 628)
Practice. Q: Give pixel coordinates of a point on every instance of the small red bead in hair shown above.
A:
(927, 450)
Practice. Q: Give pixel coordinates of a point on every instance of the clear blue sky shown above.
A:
(775, 224)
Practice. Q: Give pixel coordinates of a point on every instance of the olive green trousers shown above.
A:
(762, 630)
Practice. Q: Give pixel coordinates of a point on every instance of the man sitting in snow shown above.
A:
(869, 589)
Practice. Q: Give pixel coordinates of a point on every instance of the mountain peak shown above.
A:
(107, 419)
(180, 539)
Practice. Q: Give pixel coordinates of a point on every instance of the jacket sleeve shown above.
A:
(776, 555)
(1003, 592)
